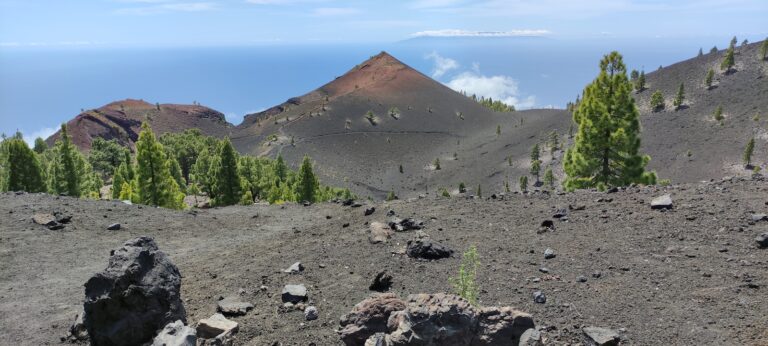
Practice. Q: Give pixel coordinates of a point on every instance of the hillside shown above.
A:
(122, 120)
(428, 121)
(693, 275)
(715, 149)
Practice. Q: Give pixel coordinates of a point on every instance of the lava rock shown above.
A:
(295, 268)
(379, 233)
(762, 240)
(294, 294)
(531, 337)
(310, 313)
(426, 249)
(549, 254)
(595, 336)
(401, 225)
(369, 211)
(501, 326)
(176, 334)
(368, 317)
(113, 227)
(581, 278)
(134, 297)
(759, 217)
(539, 297)
(382, 282)
(78, 331)
(233, 306)
(216, 326)
(662, 202)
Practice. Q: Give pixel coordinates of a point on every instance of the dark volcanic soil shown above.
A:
(689, 276)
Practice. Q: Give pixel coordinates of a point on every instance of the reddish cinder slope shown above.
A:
(122, 120)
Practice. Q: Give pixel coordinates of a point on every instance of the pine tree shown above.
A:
(479, 191)
(701, 52)
(280, 170)
(22, 168)
(202, 172)
(734, 40)
(634, 75)
(719, 113)
(391, 196)
(228, 185)
(524, 183)
(657, 101)
(713, 50)
(64, 176)
(748, 152)
(764, 50)
(605, 151)
(506, 186)
(154, 181)
(640, 83)
(462, 188)
(728, 62)
(498, 130)
(401, 169)
(549, 179)
(437, 164)
(680, 97)
(536, 169)
(175, 169)
(123, 173)
(709, 78)
(307, 183)
(40, 145)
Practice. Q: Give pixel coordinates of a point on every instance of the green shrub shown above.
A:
(464, 283)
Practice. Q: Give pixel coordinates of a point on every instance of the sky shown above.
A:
(248, 22)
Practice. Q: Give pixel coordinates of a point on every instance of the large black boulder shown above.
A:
(134, 297)
(426, 249)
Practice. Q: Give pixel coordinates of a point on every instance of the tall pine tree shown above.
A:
(64, 176)
(154, 181)
(22, 168)
(605, 151)
(306, 189)
(229, 188)
(680, 97)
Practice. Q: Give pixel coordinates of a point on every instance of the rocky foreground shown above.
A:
(629, 266)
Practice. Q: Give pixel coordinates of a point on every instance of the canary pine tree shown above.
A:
(306, 189)
(64, 177)
(22, 171)
(153, 175)
(605, 152)
(228, 186)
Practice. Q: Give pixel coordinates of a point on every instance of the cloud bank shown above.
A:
(468, 33)
(442, 64)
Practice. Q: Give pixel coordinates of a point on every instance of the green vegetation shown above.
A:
(748, 150)
(496, 106)
(68, 171)
(719, 113)
(524, 183)
(605, 151)
(535, 162)
(464, 283)
(444, 193)
(709, 78)
(21, 167)
(462, 188)
(391, 196)
(680, 97)
(307, 183)
(394, 113)
(728, 61)
(498, 130)
(549, 179)
(479, 191)
(228, 187)
(713, 50)
(640, 82)
(40, 146)
(554, 142)
(436, 164)
(657, 101)
(371, 117)
(106, 155)
(154, 181)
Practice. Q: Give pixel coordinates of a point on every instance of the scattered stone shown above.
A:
(549, 254)
(369, 317)
(547, 225)
(581, 278)
(426, 249)
(62, 218)
(379, 233)
(369, 211)
(544, 270)
(310, 313)
(560, 213)
(759, 217)
(113, 227)
(294, 294)
(431, 319)
(539, 297)
(531, 337)
(762, 240)
(382, 282)
(597, 275)
(662, 202)
(391, 213)
(577, 207)
(176, 334)
(401, 225)
(77, 331)
(134, 297)
(216, 326)
(233, 306)
(47, 220)
(595, 336)
(295, 268)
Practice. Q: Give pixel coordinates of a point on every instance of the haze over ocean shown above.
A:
(42, 87)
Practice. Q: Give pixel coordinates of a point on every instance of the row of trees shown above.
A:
(161, 173)
(490, 103)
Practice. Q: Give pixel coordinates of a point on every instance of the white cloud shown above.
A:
(42, 133)
(469, 33)
(442, 64)
(502, 88)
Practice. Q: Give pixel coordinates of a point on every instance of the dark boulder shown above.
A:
(137, 295)
(426, 249)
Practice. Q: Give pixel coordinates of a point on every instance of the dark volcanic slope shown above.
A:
(122, 120)
(433, 122)
(715, 150)
(689, 276)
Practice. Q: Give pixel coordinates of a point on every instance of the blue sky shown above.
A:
(245, 22)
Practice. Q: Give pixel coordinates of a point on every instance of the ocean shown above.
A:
(41, 87)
